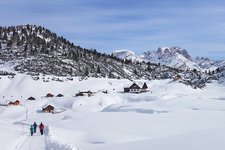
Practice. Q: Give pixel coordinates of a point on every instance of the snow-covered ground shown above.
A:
(172, 116)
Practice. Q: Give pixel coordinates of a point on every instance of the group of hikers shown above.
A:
(33, 128)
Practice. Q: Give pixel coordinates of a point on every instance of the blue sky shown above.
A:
(196, 25)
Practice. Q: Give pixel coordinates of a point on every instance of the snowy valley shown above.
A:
(170, 116)
(87, 100)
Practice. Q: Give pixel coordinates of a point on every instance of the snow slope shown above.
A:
(171, 116)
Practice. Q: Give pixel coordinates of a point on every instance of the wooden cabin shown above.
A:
(85, 93)
(126, 90)
(144, 87)
(10, 104)
(49, 95)
(59, 95)
(48, 108)
(134, 88)
(177, 77)
(80, 94)
(31, 98)
(17, 102)
(106, 91)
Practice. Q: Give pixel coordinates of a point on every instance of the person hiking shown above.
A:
(35, 127)
(31, 130)
(41, 127)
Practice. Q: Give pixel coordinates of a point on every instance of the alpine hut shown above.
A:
(31, 98)
(48, 108)
(59, 95)
(49, 95)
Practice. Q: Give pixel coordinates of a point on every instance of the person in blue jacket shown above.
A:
(31, 130)
(35, 127)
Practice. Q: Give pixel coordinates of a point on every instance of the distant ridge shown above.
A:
(175, 57)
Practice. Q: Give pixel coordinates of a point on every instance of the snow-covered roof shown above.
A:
(46, 105)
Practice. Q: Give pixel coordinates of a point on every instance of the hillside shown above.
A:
(36, 51)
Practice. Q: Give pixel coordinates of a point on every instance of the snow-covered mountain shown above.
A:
(128, 54)
(35, 50)
(208, 64)
(175, 57)
(205, 63)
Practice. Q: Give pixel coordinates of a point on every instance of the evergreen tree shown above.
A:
(149, 66)
(135, 71)
(1, 30)
(15, 37)
(98, 70)
(32, 51)
(71, 72)
(86, 73)
(9, 43)
(110, 75)
(52, 48)
(194, 70)
(25, 49)
(75, 56)
(218, 70)
(42, 49)
(209, 72)
(35, 51)
(5, 37)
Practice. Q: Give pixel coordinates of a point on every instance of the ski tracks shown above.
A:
(40, 142)
(35, 142)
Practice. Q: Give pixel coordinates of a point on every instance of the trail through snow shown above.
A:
(28, 142)
(35, 142)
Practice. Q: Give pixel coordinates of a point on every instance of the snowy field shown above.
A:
(172, 116)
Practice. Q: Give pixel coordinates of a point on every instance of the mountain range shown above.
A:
(36, 51)
(175, 57)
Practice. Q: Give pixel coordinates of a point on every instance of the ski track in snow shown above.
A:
(40, 142)
(35, 142)
(28, 142)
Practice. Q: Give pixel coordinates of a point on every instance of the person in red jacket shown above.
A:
(41, 127)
